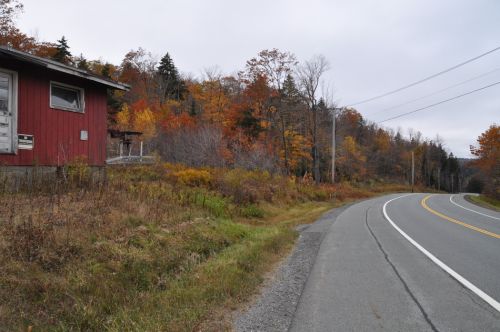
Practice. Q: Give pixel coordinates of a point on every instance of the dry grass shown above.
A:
(161, 248)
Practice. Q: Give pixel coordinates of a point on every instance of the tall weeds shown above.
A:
(146, 248)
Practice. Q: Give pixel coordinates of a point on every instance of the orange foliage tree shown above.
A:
(351, 161)
(488, 159)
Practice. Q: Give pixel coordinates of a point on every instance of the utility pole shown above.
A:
(412, 170)
(334, 143)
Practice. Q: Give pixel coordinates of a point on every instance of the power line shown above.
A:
(436, 92)
(439, 103)
(425, 79)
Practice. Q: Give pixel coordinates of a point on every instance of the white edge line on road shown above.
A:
(463, 207)
(491, 301)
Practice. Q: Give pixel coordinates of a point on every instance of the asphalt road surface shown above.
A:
(415, 262)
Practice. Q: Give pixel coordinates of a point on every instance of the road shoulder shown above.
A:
(274, 308)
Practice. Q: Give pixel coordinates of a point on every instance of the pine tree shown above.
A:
(82, 63)
(62, 54)
(321, 105)
(106, 70)
(289, 90)
(114, 104)
(172, 86)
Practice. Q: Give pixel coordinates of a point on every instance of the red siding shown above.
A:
(57, 132)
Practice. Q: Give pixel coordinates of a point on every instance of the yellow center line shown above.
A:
(458, 222)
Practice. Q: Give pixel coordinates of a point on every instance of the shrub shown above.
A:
(247, 186)
(78, 170)
(193, 177)
(252, 211)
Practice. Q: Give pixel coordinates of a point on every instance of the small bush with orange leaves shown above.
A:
(193, 177)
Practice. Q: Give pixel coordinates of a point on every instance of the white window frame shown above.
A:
(14, 107)
(69, 87)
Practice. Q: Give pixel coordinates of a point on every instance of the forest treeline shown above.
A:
(274, 114)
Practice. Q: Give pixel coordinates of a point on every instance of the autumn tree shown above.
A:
(138, 68)
(294, 121)
(137, 117)
(212, 96)
(124, 118)
(310, 75)
(488, 159)
(9, 9)
(276, 66)
(351, 161)
(145, 123)
(299, 150)
(11, 36)
(381, 152)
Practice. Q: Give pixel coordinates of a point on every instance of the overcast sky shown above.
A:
(373, 46)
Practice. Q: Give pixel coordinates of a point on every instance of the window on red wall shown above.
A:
(66, 97)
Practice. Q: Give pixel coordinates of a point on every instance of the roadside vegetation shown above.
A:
(162, 247)
(487, 178)
(484, 201)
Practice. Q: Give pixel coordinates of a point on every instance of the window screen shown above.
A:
(66, 98)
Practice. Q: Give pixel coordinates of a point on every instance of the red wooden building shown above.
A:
(50, 113)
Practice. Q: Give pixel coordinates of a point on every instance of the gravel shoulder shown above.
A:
(274, 309)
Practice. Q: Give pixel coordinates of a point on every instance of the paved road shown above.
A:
(369, 276)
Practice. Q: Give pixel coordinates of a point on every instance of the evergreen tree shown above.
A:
(290, 91)
(114, 104)
(171, 85)
(82, 63)
(398, 138)
(106, 70)
(62, 54)
(321, 105)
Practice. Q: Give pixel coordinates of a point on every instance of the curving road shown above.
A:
(416, 262)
